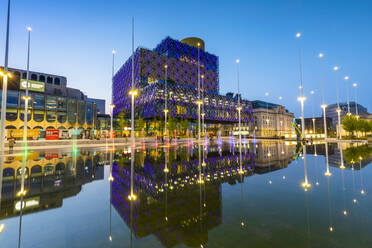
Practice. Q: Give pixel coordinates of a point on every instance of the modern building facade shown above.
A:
(331, 111)
(53, 105)
(180, 80)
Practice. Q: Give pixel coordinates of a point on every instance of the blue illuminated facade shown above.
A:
(181, 77)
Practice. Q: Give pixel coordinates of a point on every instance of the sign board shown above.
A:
(29, 203)
(52, 134)
(32, 85)
(18, 133)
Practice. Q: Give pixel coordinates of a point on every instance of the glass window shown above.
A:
(22, 113)
(23, 94)
(62, 104)
(11, 114)
(51, 103)
(71, 111)
(89, 113)
(81, 112)
(12, 99)
(38, 115)
(51, 116)
(62, 116)
(39, 101)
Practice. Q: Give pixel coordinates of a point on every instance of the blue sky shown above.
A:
(75, 39)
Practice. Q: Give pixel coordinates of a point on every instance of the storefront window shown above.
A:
(12, 99)
(38, 115)
(22, 114)
(51, 103)
(11, 114)
(39, 101)
(89, 113)
(62, 116)
(71, 111)
(62, 104)
(51, 116)
(81, 112)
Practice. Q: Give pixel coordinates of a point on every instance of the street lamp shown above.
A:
(312, 92)
(347, 90)
(166, 101)
(112, 106)
(301, 98)
(336, 68)
(323, 106)
(5, 76)
(239, 108)
(355, 85)
(267, 115)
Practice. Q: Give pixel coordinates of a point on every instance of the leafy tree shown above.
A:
(184, 125)
(140, 124)
(363, 126)
(350, 124)
(172, 125)
(122, 122)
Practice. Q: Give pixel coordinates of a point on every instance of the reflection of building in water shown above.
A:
(49, 179)
(171, 205)
(276, 155)
(320, 149)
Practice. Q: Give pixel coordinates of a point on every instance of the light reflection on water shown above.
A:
(74, 200)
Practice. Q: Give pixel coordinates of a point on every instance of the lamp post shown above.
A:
(301, 98)
(25, 116)
(355, 85)
(5, 76)
(133, 93)
(336, 68)
(347, 91)
(112, 106)
(202, 111)
(323, 106)
(267, 115)
(166, 101)
(239, 116)
(281, 120)
(312, 93)
(199, 103)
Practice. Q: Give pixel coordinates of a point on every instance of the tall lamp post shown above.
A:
(5, 76)
(301, 98)
(323, 106)
(355, 85)
(202, 107)
(313, 100)
(166, 101)
(348, 97)
(267, 115)
(112, 106)
(25, 117)
(335, 68)
(239, 116)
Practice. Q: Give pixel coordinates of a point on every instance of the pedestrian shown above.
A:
(11, 142)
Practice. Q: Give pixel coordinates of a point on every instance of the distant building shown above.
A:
(319, 127)
(271, 120)
(53, 105)
(331, 111)
(100, 103)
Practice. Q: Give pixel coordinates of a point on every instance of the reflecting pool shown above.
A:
(263, 194)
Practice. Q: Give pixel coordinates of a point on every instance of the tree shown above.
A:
(140, 124)
(363, 126)
(350, 124)
(172, 125)
(184, 125)
(122, 122)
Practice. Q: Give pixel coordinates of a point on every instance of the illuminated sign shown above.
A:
(27, 204)
(32, 85)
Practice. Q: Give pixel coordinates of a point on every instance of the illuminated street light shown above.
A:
(5, 76)
(355, 85)
(2, 227)
(336, 68)
(347, 91)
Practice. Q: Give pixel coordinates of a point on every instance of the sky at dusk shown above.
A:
(75, 39)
